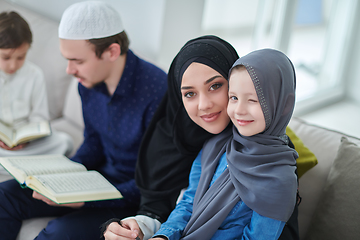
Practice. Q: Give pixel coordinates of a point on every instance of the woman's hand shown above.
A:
(38, 196)
(6, 147)
(129, 229)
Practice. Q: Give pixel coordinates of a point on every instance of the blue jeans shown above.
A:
(17, 204)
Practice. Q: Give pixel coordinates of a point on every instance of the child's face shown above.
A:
(12, 59)
(204, 94)
(244, 108)
(83, 62)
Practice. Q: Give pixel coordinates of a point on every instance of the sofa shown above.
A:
(316, 186)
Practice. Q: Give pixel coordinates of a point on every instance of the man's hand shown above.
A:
(54, 204)
(6, 147)
(129, 229)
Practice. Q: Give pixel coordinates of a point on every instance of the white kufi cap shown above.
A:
(89, 19)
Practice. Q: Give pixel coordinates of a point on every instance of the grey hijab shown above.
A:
(261, 168)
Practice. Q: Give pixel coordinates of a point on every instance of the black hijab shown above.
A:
(261, 168)
(172, 140)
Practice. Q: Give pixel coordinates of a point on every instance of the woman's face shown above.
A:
(205, 96)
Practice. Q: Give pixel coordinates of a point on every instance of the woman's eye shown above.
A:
(189, 94)
(253, 100)
(215, 86)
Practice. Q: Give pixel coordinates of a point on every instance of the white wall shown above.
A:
(182, 22)
(232, 13)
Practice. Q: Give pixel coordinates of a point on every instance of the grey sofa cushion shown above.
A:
(324, 143)
(337, 215)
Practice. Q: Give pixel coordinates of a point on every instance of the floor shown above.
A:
(343, 116)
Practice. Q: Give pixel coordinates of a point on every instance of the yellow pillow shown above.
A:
(306, 159)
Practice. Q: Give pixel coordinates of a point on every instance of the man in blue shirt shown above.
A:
(120, 93)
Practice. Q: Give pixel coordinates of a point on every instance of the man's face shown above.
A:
(83, 62)
(12, 59)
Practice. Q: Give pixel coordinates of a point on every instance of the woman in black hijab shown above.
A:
(172, 140)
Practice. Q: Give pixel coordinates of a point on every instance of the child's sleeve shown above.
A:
(180, 216)
(261, 227)
(39, 104)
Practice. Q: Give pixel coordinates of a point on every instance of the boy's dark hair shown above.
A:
(101, 44)
(236, 68)
(14, 30)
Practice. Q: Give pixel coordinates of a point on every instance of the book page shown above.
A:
(5, 130)
(45, 164)
(32, 129)
(67, 183)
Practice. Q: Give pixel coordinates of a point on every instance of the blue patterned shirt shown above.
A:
(114, 126)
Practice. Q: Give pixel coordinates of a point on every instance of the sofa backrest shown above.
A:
(72, 106)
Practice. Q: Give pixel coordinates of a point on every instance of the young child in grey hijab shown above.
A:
(243, 183)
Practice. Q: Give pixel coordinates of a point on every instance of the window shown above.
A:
(315, 34)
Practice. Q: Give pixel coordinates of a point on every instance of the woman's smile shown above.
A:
(210, 117)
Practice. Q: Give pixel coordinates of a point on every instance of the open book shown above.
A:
(31, 131)
(59, 179)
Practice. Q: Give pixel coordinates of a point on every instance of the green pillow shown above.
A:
(306, 159)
